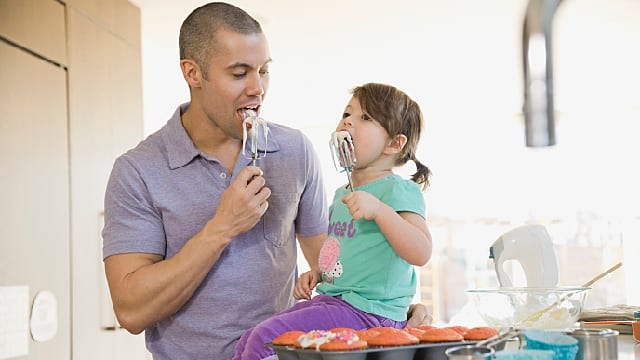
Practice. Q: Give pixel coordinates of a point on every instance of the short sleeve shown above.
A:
(132, 224)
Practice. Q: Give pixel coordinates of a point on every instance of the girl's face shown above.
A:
(370, 139)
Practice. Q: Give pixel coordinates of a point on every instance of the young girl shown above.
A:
(377, 232)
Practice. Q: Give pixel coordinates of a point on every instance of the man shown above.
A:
(198, 244)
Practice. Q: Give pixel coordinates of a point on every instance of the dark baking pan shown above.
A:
(433, 351)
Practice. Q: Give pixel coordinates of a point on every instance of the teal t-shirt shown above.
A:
(357, 261)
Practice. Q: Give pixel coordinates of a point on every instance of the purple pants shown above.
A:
(322, 312)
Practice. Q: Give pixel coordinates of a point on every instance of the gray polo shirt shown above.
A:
(162, 192)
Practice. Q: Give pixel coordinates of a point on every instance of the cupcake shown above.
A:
(440, 335)
(459, 329)
(289, 338)
(367, 334)
(414, 331)
(395, 337)
(339, 329)
(315, 338)
(480, 333)
(425, 327)
(344, 340)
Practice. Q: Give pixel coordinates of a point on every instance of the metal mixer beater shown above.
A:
(343, 153)
(250, 131)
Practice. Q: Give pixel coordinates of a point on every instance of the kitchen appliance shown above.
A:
(530, 246)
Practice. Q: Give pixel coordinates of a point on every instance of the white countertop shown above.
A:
(628, 349)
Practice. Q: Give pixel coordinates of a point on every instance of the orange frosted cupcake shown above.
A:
(440, 335)
(315, 338)
(339, 329)
(459, 329)
(425, 327)
(392, 338)
(344, 340)
(480, 333)
(414, 331)
(367, 334)
(384, 329)
(289, 338)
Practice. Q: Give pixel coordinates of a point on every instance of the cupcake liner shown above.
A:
(564, 346)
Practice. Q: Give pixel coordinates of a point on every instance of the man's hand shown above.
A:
(418, 315)
(241, 205)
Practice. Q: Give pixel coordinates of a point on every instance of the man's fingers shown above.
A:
(248, 173)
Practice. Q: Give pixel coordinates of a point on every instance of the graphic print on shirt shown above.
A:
(329, 260)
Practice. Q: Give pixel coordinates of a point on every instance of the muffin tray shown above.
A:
(434, 351)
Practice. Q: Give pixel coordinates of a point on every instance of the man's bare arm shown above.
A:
(146, 288)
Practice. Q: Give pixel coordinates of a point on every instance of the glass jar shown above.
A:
(636, 325)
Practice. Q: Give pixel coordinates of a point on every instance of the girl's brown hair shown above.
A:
(398, 114)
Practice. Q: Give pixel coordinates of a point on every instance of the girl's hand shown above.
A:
(362, 205)
(305, 284)
(417, 315)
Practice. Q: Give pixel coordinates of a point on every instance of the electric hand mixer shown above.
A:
(250, 127)
(343, 153)
(531, 247)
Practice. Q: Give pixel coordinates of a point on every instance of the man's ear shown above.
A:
(397, 144)
(191, 72)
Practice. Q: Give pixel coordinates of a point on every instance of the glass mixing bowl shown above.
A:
(530, 307)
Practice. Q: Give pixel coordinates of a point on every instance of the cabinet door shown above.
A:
(105, 119)
(34, 191)
(37, 25)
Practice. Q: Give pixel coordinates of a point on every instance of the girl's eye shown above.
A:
(264, 72)
(240, 75)
(365, 117)
(345, 115)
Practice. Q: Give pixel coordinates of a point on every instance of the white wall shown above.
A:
(460, 59)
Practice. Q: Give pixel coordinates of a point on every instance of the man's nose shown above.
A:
(256, 85)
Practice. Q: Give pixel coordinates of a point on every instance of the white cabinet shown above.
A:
(70, 102)
(34, 206)
(105, 119)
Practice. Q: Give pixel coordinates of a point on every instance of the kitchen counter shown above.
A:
(628, 349)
